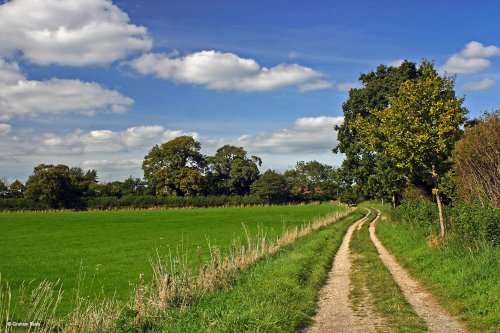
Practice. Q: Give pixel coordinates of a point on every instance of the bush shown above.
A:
(149, 201)
(468, 224)
(20, 204)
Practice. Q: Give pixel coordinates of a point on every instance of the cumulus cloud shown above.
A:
(107, 141)
(484, 84)
(76, 32)
(305, 135)
(112, 165)
(472, 59)
(226, 71)
(5, 129)
(22, 97)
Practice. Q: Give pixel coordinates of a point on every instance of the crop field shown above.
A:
(109, 249)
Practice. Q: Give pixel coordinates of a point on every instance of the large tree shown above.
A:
(271, 186)
(419, 128)
(378, 88)
(312, 181)
(232, 171)
(59, 186)
(175, 168)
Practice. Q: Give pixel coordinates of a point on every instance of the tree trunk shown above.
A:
(441, 217)
(438, 200)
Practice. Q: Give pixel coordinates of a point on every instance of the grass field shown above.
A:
(113, 247)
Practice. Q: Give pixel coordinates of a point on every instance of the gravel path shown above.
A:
(335, 313)
(437, 318)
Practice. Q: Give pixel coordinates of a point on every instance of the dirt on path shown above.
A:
(335, 313)
(425, 305)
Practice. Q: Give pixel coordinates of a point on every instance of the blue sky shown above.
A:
(96, 84)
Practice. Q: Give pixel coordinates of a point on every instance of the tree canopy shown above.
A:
(419, 129)
(175, 168)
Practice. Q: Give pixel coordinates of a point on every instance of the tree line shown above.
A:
(175, 169)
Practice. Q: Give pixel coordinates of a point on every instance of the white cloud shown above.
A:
(459, 65)
(316, 85)
(478, 50)
(347, 86)
(76, 32)
(479, 85)
(107, 141)
(472, 59)
(5, 129)
(29, 98)
(305, 135)
(112, 165)
(225, 71)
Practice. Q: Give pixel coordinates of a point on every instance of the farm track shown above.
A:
(425, 305)
(335, 312)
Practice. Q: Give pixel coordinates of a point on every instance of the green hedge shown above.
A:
(149, 201)
(20, 204)
(467, 223)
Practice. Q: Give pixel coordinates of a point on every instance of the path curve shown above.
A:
(425, 305)
(334, 311)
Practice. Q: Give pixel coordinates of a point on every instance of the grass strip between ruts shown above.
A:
(372, 283)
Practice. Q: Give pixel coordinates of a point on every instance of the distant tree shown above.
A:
(271, 186)
(419, 128)
(175, 168)
(232, 171)
(58, 186)
(312, 181)
(133, 186)
(477, 158)
(378, 88)
(3, 188)
(16, 189)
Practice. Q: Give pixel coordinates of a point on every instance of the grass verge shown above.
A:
(465, 280)
(277, 294)
(372, 283)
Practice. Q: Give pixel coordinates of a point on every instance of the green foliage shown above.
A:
(312, 181)
(469, 225)
(271, 186)
(22, 204)
(16, 189)
(420, 128)
(59, 186)
(232, 171)
(379, 87)
(175, 167)
(150, 201)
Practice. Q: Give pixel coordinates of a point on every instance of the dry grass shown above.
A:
(174, 284)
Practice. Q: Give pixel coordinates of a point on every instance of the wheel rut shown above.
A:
(425, 305)
(335, 313)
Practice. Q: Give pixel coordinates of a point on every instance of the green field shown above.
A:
(113, 247)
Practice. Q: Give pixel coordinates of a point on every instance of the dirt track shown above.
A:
(335, 313)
